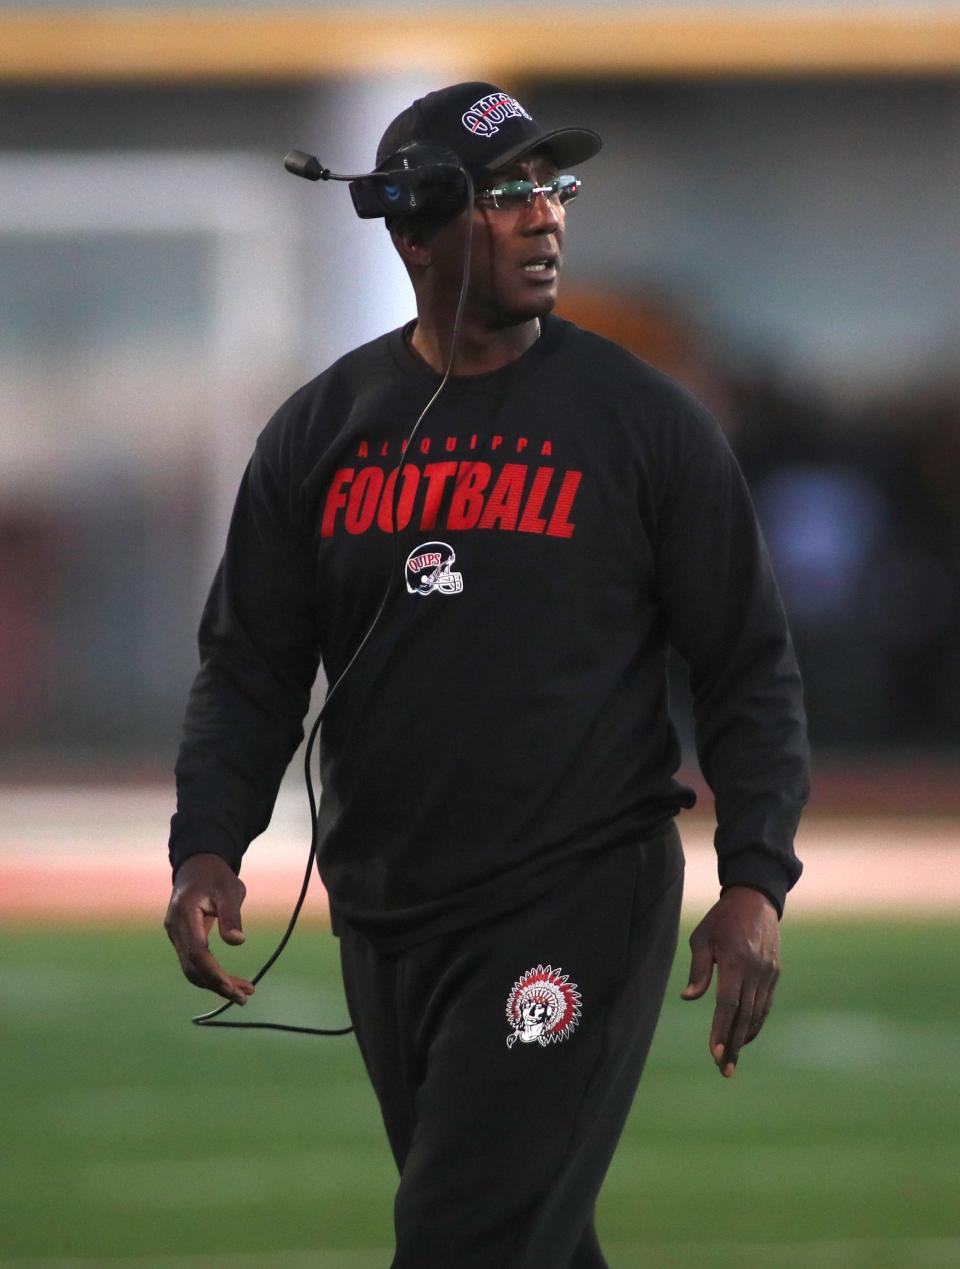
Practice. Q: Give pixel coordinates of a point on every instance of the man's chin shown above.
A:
(530, 309)
(542, 302)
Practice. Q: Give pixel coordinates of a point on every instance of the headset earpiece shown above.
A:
(421, 177)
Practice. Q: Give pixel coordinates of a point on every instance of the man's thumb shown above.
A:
(701, 971)
(229, 922)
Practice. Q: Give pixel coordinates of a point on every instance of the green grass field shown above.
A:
(131, 1138)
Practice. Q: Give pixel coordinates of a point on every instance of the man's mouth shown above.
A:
(541, 265)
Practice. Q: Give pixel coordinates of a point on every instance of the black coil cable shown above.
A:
(212, 1019)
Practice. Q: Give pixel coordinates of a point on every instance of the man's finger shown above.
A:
(701, 969)
(729, 990)
(241, 988)
(738, 1033)
(202, 969)
(761, 1008)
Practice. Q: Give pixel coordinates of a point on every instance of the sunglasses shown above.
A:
(511, 195)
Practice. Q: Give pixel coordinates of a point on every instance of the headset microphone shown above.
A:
(308, 166)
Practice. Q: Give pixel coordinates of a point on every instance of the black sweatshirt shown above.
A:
(560, 522)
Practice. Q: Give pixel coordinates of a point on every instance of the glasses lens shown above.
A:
(513, 193)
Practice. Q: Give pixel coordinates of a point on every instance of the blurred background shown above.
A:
(774, 221)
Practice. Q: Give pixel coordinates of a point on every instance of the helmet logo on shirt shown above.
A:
(428, 569)
(543, 1007)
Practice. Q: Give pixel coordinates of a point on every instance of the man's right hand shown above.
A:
(207, 890)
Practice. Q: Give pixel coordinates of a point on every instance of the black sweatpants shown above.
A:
(505, 1058)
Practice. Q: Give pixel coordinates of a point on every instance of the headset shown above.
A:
(421, 178)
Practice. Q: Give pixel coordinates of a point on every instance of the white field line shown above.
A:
(101, 853)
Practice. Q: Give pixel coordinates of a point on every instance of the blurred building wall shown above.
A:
(810, 225)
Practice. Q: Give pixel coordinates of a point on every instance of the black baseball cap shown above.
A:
(486, 127)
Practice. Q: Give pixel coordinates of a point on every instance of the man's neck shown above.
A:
(478, 351)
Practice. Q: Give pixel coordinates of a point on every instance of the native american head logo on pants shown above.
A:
(543, 1007)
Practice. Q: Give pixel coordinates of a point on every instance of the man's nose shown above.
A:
(544, 214)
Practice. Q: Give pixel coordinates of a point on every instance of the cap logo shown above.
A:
(484, 117)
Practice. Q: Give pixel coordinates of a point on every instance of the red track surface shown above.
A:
(87, 854)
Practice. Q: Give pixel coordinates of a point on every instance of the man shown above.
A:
(497, 822)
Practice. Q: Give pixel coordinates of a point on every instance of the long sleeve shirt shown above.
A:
(559, 523)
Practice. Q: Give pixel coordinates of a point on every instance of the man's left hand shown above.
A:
(741, 935)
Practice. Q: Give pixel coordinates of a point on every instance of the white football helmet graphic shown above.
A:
(428, 569)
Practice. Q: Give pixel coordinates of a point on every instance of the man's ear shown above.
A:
(412, 250)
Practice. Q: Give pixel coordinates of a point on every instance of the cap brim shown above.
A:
(567, 146)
